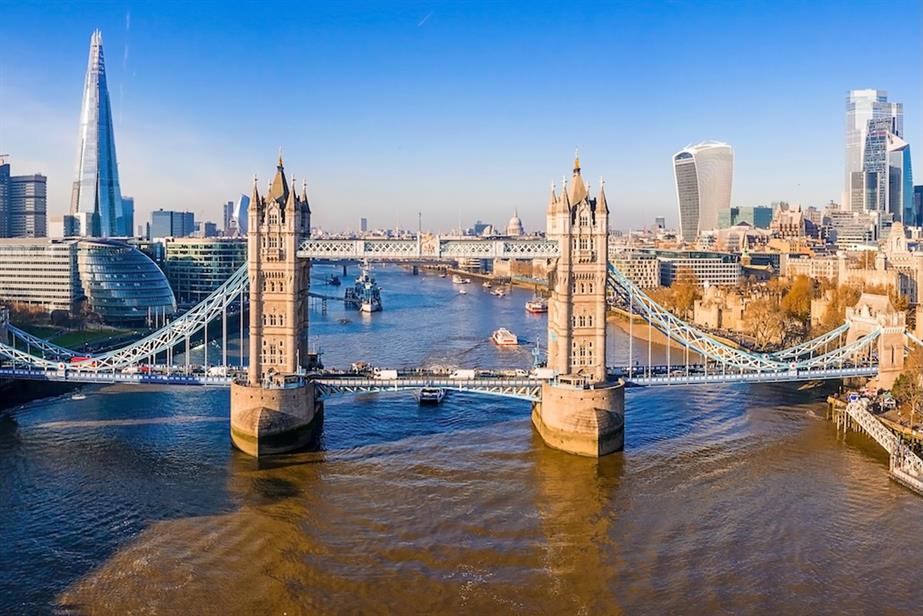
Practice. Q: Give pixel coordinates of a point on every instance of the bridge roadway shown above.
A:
(508, 383)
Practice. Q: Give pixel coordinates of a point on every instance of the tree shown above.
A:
(908, 387)
(685, 291)
(796, 303)
(764, 321)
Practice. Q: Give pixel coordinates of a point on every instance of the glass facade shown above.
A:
(862, 107)
(703, 175)
(96, 198)
(196, 267)
(121, 283)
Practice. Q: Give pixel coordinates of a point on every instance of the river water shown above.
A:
(734, 499)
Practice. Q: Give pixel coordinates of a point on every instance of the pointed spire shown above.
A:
(601, 203)
(278, 190)
(578, 190)
(304, 196)
(292, 199)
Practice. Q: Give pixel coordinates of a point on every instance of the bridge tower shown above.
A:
(874, 311)
(582, 411)
(274, 410)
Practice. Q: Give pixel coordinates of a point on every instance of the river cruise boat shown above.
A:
(537, 305)
(504, 337)
(430, 395)
(365, 294)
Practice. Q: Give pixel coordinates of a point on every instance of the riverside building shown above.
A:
(111, 279)
(197, 266)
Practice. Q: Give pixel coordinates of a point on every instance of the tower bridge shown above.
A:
(277, 397)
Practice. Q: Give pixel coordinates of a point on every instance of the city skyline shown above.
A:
(448, 115)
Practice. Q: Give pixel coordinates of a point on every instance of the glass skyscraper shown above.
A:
(96, 200)
(863, 107)
(703, 175)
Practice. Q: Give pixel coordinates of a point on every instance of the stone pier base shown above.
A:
(587, 422)
(269, 421)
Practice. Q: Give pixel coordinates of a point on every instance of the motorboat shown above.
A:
(486, 284)
(462, 292)
(498, 293)
(430, 395)
(79, 397)
(456, 279)
(504, 337)
(537, 305)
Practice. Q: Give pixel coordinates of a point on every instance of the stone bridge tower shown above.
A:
(582, 411)
(872, 312)
(279, 281)
(274, 410)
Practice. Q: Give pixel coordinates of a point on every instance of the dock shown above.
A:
(905, 466)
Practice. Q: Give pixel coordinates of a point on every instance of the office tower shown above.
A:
(206, 229)
(23, 203)
(167, 223)
(128, 214)
(363, 225)
(27, 199)
(96, 199)
(703, 175)
(236, 225)
(660, 222)
(227, 213)
(863, 107)
(900, 181)
(917, 206)
(4, 198)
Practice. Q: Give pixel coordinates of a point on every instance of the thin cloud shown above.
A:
(424, 20)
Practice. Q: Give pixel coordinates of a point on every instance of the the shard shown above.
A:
(96, 200)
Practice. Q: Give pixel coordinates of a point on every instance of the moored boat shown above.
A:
(504, 337)
(537, 305)
(486, 284)
(430, 395)
(365, 294)
(456, 279)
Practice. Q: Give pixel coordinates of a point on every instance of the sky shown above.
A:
(460, 110)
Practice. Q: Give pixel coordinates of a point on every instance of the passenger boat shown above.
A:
(456, 279)
(504, 337)
(430, 395)
(365, 294)
(462, 292)
(537, 305)
(79, 397)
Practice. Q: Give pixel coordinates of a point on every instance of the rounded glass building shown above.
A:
(121, 284)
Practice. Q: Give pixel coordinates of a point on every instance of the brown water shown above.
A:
(738, 499)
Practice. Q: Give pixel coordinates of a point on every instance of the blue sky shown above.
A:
(468, 108)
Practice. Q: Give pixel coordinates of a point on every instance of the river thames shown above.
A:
(731, 499)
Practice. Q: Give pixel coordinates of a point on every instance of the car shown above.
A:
(853, 396)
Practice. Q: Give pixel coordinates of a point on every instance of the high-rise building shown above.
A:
(660, 222)
(128, 212)
(22, 204)
(863, 107)
(227, 212)
(197, 266)
(917, 206)
(96, 199)
(703, 175)
(900, 181)
(363, 225)
(167, 223)
(236, 217)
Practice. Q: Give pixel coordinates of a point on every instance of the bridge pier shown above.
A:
(271, 420)
(583, 420)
